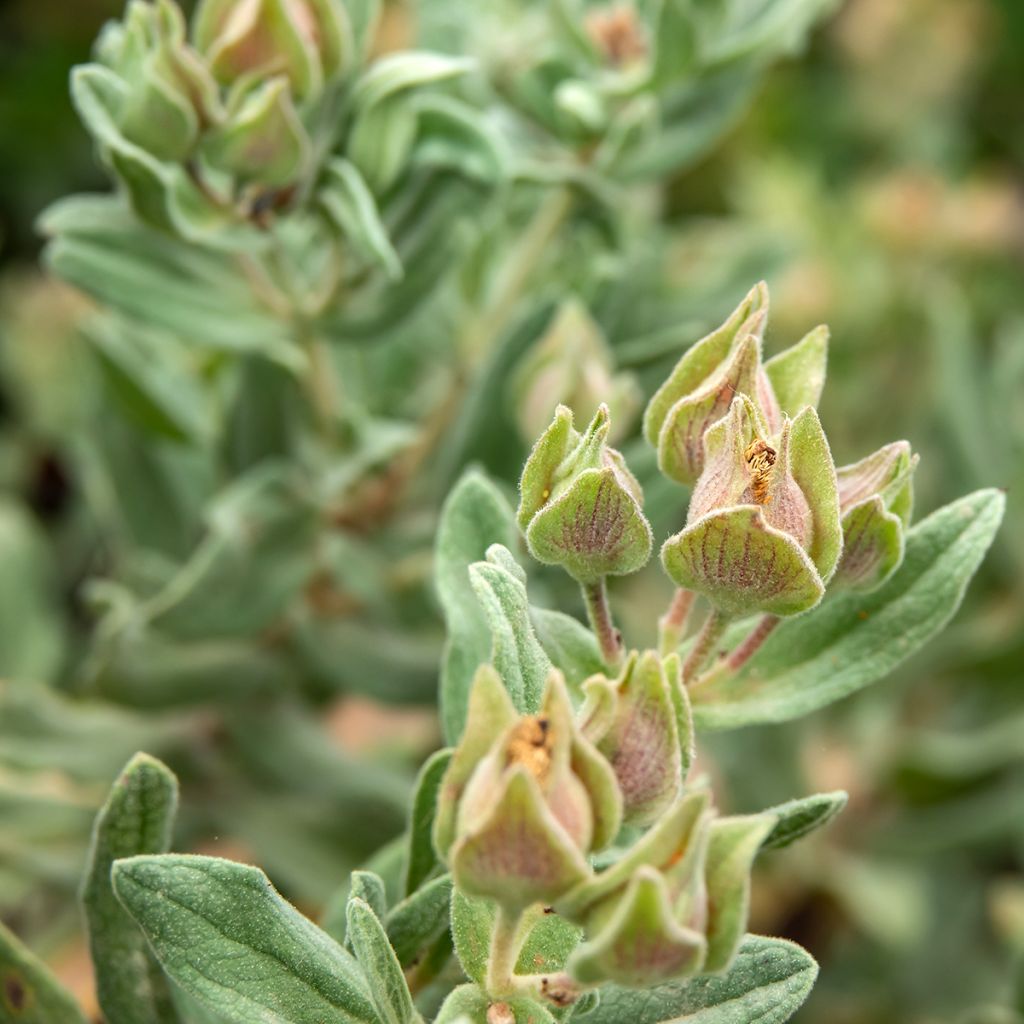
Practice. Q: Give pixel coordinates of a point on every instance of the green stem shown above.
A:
(740, 655)
(704, 645)
(599, 612)
(672, 624)
(506, 943)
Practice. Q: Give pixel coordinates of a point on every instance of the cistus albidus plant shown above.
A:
(283, 202)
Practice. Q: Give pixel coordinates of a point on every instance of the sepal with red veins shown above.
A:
(700, 389)
(580, 506)
(572, 364)
(520, 808)
(876, 502)
(307, 41)
(763, 532)
(645, 732)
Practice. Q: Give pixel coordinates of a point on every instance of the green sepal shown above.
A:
(873, 547)
(263, 140)
(732, 846)
(642, 743)
(469, 1004)
(887, 473)
(797, 374)
(643, 944)
(159, 118)
(598, 778)
(743, 565)
(489, 714)
(137, 818)
(811, 466)
(518, 854)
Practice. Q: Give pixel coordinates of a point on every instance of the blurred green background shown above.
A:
(877, 184)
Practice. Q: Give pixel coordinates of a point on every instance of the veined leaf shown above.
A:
(852, 640)
(387, 983)
(221, 932)
(136, 819)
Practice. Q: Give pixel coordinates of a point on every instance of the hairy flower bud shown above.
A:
(673, 906)
(580, 506)
(307, 41)
(876, 501)
(519, 808)
(571, 364)
(763, 531)
(645, 730)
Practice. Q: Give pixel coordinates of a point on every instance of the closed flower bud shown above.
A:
(763, 531)
(645, 733)
(572, 365)
(580, 506)
(876, 502)
(675, 905)
(517, 817)
(307, 41)
(262, 142)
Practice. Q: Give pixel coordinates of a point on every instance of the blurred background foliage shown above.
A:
(874, 181)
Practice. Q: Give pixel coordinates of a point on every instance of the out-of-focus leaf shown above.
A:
(136, 819)
(455, 135)
(767, 982)
(851, 640)
(422, 860)
(221, 932)
(400, 71)
(798, 818)
(30, 993)
(475, 516)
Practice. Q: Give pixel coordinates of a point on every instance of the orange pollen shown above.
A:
(530, 745)
(760, 458)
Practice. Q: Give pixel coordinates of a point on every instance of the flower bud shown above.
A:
(517, 816)
(580, 506)
(307, 41)
(700, 389)
(676, 904)
(262, 140)
(572, 365)
(876, 500)
(645, 734)
(763, 531)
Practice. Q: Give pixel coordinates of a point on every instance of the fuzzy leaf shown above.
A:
(515, 650)
(29, 993)
(571, 646)
(767, 982)
(854, 639)
(380, 964)
(872, 546)
(422, 857)
(369, 887)
(798, 818)
(475, 516)
(468, 1004)
(221, 932)
(136, 819)
(419, 919)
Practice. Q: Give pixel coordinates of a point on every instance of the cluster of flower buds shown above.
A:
(580, 506)
(228, 106)
(770, 517)
(527, 798)
(571, 364)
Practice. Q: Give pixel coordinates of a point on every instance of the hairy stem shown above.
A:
(672, 624)
(600, 615)
(741, 654)
(506, 943)
(704, 645)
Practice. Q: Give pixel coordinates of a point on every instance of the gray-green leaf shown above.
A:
(767, 983)
(422, 858)
(221, 932)
(380, 964)
(30, 993)
(136, 819)
(853, 639)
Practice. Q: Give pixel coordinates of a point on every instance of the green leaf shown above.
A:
(515, 650)
(369, 888)
(29, 993)
(400, 71)
(136, 819)
(854, 639)
(380, 965)
(468, 1005)
(547, 947)
(475, 516)
(422, 860)
(767, 983)
(350, 204)
(798, 818)
(221, 932)
(571, 646)
(420, 919)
